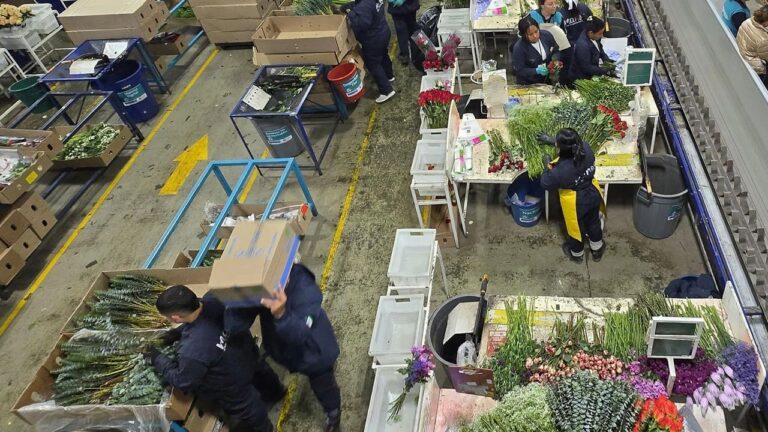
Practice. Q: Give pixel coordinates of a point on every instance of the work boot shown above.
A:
(597, 255)
(333, 422)
(569, 254)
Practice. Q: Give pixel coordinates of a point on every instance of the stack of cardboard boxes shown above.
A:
(231, 21)
(113, 19)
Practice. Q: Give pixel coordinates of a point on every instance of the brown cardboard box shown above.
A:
(184, 259)
(203, 423)
(10, 265)
(26, 244)
(255, 262)
(233, 25)
(157, 47)
(13, 223)
(84, 416)
(145, 30)
(106, 14)
(51, 144)
(104, 159)
(40, 165)
(260, 59)
(234, 11)
(195, 278)
(299, 225)
(354, 56)
(304, 34)
(199, 3)
(37, 212)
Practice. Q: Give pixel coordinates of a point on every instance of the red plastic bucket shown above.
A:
(348, 82)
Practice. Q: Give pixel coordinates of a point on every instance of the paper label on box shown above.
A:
(32, 177)
(256, 98)
(83, 67)
(114, 50)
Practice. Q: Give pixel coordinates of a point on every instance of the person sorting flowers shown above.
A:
(572, 174)
(589, 58)
(532, 53)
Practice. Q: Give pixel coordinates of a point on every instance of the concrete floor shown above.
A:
(122, 231)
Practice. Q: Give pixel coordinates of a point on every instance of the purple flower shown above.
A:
(728, 371)
(742, 360)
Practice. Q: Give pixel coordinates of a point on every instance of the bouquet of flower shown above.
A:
(435, 104)
(447, 57)
(554, 67)
(721, 388)
(418, 369)
(691, 374)
(12, 16)
(423, 42)
(619, 126)
(658, 415)
(742, 360)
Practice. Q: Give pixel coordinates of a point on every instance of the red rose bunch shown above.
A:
(432, 61)
(435, 104)
(447, 57)
(658, 415)
(554, 67)
(619, 126)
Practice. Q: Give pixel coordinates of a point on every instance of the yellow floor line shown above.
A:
(87, 218)
(286, 408)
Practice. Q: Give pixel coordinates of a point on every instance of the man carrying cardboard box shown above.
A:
(220, 366)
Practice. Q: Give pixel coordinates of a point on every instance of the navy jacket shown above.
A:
(210, 360)
(369, 22)
(302, 340)
(586, 58)
(569, 175)
(525, 58)
(408, 7)
(575, 24)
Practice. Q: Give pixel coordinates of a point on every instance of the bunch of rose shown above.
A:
(721, 388)
(554, 67)
(12, 16)
(418, 369)
(658, 415)
(422, 41)
(619, 126)
(691, 374)
(435, 103)
(447, 57)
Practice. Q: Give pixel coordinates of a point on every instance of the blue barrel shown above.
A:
(127, 80)
(525, 198)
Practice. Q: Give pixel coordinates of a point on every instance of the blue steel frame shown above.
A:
(339, 108)
(59, 73)
(192, 42)
(289, 166)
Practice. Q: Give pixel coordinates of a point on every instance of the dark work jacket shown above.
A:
(569, 175)
(302, 340)
(525, 58)
(408, 7)
(575, 24)
(210, 361)
(369, 21)
(586, 58)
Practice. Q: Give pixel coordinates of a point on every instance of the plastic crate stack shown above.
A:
(401, 323)
(430, 183)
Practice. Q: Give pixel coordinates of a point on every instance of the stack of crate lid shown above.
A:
(113, 19)
(25, 218)
(231, 22)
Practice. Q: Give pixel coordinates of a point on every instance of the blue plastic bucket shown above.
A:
(526, 213)
(127, 80)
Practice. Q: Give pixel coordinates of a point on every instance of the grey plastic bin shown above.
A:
(445, 353)
(618, 28)
(280, 136)
(657, 214)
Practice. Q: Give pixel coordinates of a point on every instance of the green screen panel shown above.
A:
(676, 329)
(639, 73)
(672, 348)
(640, 56)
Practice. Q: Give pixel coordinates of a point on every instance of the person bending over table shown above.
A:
(532, 53)
(589, 58)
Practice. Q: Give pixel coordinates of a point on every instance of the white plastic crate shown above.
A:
(399, 326)
(16, 40)
(410, 291)
(387, 386)
(45, 22)
(433, 81)
(428, 161)
(432, 134)
(412, 260)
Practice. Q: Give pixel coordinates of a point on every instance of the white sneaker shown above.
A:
(392, 79)
(386, 97)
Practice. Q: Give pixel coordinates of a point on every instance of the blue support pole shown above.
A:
(303, 186)
(222, 180)
(276, 192)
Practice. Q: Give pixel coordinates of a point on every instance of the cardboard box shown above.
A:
(40, 165)
(184, 259)
(86, 416)
(13, 223)
(145, 30)
(203, 3)
(234, 11)
(223, 37)
(300, 225)
(256, 262)
(26, 244)
(233, 25)
(104, 159)
(37, 212)
(11, 264)
(195, 278)
(305, 34)
(260, 59)
(354, 56)
(50, 145)
(157, 47)
(199, 421)
(106, 14)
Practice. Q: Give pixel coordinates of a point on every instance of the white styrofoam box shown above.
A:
(412, 260)
(45, 22)
(432, 134)
(16, 41)
(428, 161)
(387, 386)
(399, 326)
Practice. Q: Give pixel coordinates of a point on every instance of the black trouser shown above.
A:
(376, 58)
(326, 390)
(245, 409)
(566, 56)
(405, 26)
(588, 213)
(266, 382)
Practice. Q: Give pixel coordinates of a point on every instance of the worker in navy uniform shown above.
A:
(369, 24)
(575, 15)
(404, 17)
(298, 335)
(222, 367)
(573, 175)
(547, 13)
(532, 53)
(589, 58)
(734, 13)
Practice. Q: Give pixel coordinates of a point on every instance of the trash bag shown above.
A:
(427, 23)
(701, 286)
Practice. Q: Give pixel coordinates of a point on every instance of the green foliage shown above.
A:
(625, 333)
(584, 403)
(523, 409)
(525, 123)
(128, 302)
(605, 91)
(90, 143)
(508, 362)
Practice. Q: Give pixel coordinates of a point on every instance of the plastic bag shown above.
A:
(467, 354)
(423, 42)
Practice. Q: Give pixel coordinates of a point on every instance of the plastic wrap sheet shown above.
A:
(49, 417)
